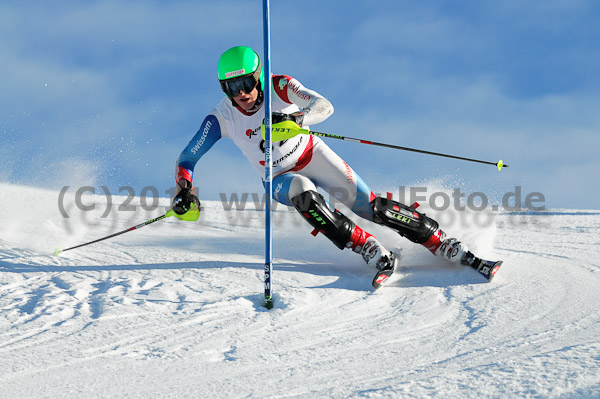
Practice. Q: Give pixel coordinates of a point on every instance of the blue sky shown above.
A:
(109, 92)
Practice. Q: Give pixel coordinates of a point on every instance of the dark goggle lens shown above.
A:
(232, 87)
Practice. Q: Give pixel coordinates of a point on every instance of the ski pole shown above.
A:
(169, 213)
(288, 129)
(498, 164)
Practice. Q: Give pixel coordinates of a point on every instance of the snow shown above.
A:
(174, 309)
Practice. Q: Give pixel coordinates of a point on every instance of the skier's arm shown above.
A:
(314, 106)
(208, 134)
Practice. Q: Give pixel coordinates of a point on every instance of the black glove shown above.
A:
(184, 199)
(297, 117)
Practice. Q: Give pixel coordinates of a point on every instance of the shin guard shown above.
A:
(333, 224)
(409, 223)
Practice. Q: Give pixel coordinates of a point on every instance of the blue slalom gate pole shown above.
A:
(268, 165)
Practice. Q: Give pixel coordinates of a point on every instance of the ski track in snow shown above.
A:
(175, 310)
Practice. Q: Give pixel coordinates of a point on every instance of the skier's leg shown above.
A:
(343, 232)
(328, 171)
(419, 228)
(300, 192)
(331, 173)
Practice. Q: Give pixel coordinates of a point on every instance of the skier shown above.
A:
(303, 163)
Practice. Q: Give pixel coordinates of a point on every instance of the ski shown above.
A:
(487, 268)
(382, 276)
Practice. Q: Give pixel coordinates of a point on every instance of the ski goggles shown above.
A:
(232, 87)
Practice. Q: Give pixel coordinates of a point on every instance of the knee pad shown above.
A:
(409, 223)
(333, 224)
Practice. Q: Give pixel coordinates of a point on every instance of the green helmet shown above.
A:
(239, 63)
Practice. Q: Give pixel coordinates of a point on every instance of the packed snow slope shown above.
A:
(174, 310)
